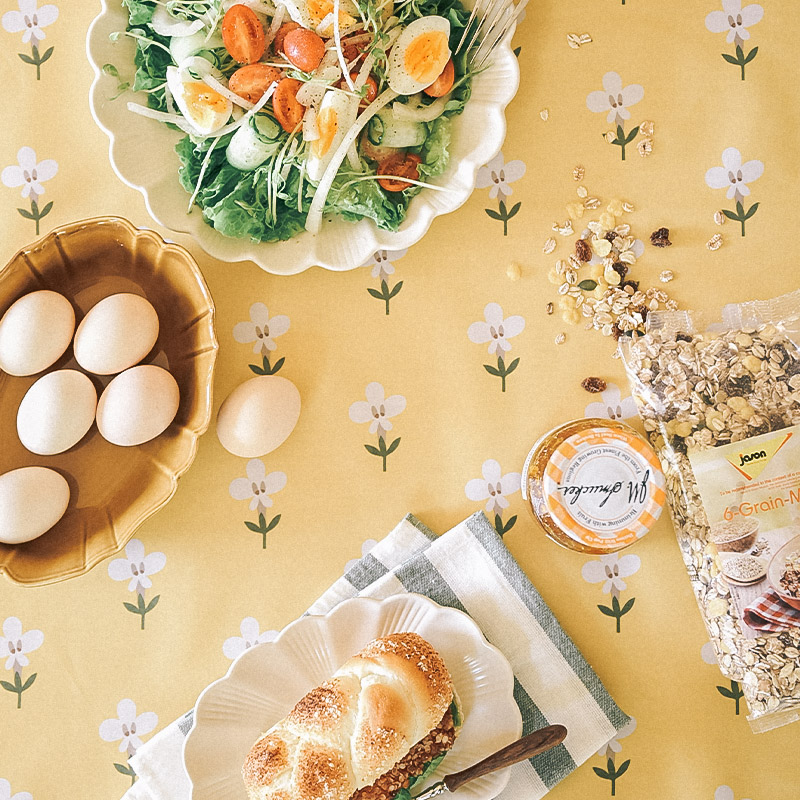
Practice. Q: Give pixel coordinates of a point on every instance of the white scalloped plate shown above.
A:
(142, 155)
(265, 682)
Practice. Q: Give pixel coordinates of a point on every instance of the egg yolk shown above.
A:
(319, 9)
(202, 98)
(327, 124)
(426, 56)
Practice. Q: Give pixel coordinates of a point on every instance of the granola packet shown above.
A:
(721, 406)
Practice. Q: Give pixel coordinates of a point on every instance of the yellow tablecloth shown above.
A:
(457, 430)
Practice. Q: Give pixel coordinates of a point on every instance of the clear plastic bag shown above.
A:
(719, 404)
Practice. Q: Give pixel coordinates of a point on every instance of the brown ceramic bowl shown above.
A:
(112, 489)
(776, 567)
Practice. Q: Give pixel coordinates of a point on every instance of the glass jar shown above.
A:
(594, 485)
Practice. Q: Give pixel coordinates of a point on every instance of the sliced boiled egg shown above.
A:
(335, 117)
(419, 55)
(206, 109)
(311, 13)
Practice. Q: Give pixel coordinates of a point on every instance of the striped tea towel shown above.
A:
(770, 613)
(468, 568)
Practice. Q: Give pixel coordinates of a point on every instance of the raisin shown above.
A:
(583, 250)
(594, 385)
(660, 238)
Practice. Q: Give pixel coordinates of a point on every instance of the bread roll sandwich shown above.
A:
(378, 726)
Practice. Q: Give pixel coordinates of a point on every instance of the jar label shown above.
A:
(604, 487)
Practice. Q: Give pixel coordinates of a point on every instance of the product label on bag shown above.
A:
(604, 487)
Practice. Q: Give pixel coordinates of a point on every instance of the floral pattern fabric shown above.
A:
(426, 376)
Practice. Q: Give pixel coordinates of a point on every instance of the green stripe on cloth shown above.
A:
(366, 571)
(420, 576)
(493, 544)
(553, 765)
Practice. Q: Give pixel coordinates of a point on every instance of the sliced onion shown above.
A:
(277, 21)
(220, 88)
(314, 218)
(420, 113)
(246, 117)
(311, 93)
(310, 128)
(162, 116)
(164, 24)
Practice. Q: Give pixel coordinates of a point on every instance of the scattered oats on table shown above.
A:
(627, 207)
(715, 242)
(578, 173)
(544, 114)
(666, 276)
(591, 203)
(582, 191)
(561, 338)
(645, 147)
(610, 136)
(719, 218)
(574, 40)
(514, 271)
(646, 128)
(584, 38)
(549, 246)
(565, 230)
(549, 309)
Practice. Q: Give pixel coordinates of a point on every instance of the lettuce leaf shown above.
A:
(435, 151)
(140, 12)
(365, 199)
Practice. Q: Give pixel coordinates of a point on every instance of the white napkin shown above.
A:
(468, 568)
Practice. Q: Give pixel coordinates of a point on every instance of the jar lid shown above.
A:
(603, 487)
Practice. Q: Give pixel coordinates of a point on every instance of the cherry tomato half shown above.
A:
(277, 42)
(243, 34)
(402, 165)
(288, 111)
(304, 49)
(370, 85)
(252, 81)
(444, 83)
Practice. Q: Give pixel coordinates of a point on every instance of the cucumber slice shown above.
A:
(181, 47)
(250, 147)
(387, 131)
(266, 128)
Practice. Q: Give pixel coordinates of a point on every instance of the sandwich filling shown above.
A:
(415, 764)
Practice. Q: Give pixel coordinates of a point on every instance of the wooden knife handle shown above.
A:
(527, 746)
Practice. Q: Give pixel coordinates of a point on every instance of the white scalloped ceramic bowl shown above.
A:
(142, 155)
(265, 682)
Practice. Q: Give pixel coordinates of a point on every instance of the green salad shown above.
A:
(300, 108)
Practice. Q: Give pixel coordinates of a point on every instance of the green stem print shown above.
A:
(36, 213)
(36, 59)
(504, 214)
(622, 139)
(740, 215)
(735, 693)
(612, 773)
(385, 293)
(140, 608)
(740, 59)
(501, 370)
(501, 527)
(263, 526)
(126, 769)
(382, 451)
(266, 368)
(18, 687)
(615, 610)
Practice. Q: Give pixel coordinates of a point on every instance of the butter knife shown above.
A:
(526, 747)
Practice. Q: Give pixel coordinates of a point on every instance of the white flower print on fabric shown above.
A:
(5, 792)
(497, 330)
(734, 20)
(610, 570)
(30, 20)
(612, 405)
(614, 100)
(734, 176)
(29, 174)
(366, 547)
(261, 331)
(136, 568)
(15, 644)
(381, 268)
(127, 727)
(258, 487)
(251, 635)
(725, 793)
(377, 411)
(495, 488)
(614, 746)
(497, 176)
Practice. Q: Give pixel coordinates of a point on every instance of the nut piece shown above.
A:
(660, 238)
(583, 250)
(594, 385)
